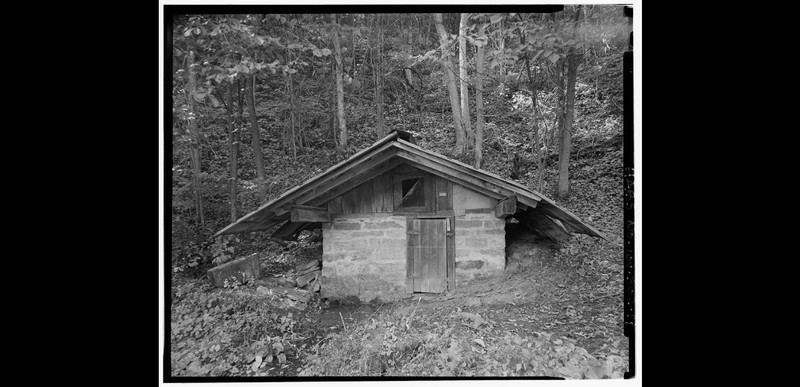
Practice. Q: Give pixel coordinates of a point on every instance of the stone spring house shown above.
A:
(397, 219)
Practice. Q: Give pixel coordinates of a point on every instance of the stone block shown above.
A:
(494, 223)
(368, 234)
(358, 256)
(495, 243)
(499, 253)
(393, 243)
(346, 226)
(241, 270)
(303, 280)
(468, 223)
(330, 257)
(476, 242)
(395, 233)
(470, 264)
(383, 225)
(298, 295)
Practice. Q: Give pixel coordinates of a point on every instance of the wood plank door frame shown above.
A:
(424, 235)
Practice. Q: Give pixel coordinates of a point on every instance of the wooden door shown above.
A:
(427, 255)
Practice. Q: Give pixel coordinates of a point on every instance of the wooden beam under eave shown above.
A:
(506, 207)
(290, 230)
(309, 214)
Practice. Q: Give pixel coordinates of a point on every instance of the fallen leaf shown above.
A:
(480, 342)
(256, 363)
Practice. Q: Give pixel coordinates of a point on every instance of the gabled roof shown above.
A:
(533, 208)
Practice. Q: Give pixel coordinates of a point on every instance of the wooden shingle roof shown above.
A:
(533, 208)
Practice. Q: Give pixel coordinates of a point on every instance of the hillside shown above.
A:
(557, 310)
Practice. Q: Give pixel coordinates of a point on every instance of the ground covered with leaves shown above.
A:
(555, 313)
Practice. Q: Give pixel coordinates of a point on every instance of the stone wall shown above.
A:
(364, 255)
(479, 237)
(480, 245)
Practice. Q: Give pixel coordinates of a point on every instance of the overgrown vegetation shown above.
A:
(573, 330)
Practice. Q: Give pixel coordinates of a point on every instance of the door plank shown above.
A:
(412, 251)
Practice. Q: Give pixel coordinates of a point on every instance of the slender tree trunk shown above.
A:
(249, 95)
(340, 94)
(233, 143)
(406, 47)
(194, 140)
(502, 51)
(479, 102)
(569, 111)
(293, 107)
(560, 107)
(462, 74)
(450, 80)
(377, 69)
(334, 110)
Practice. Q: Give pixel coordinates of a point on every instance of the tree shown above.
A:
(339, 92)
(569, 111)
(479, 59)
(258, 156)
(233, 146)
(377, 71)
(194, 136)
(462, 74)
(450, 80)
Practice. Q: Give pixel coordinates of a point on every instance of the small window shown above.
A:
(413, 193)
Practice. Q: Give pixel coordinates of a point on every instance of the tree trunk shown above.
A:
(293, 107)
(249, 95)
(451, 86)
(502, 51)
(569, 111)
(479, 102)
(194, 140)
(377, 68)
(339, 94)
(233, 142)
(462, 74)
(560, 107)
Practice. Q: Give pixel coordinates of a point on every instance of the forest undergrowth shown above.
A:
(557, 310)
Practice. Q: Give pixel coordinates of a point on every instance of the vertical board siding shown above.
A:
(443, 187)
(377, 195)
(412, 251)
(451, 254)
(366, 204)
(372, 196)
(335, 205)
(388, 192)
